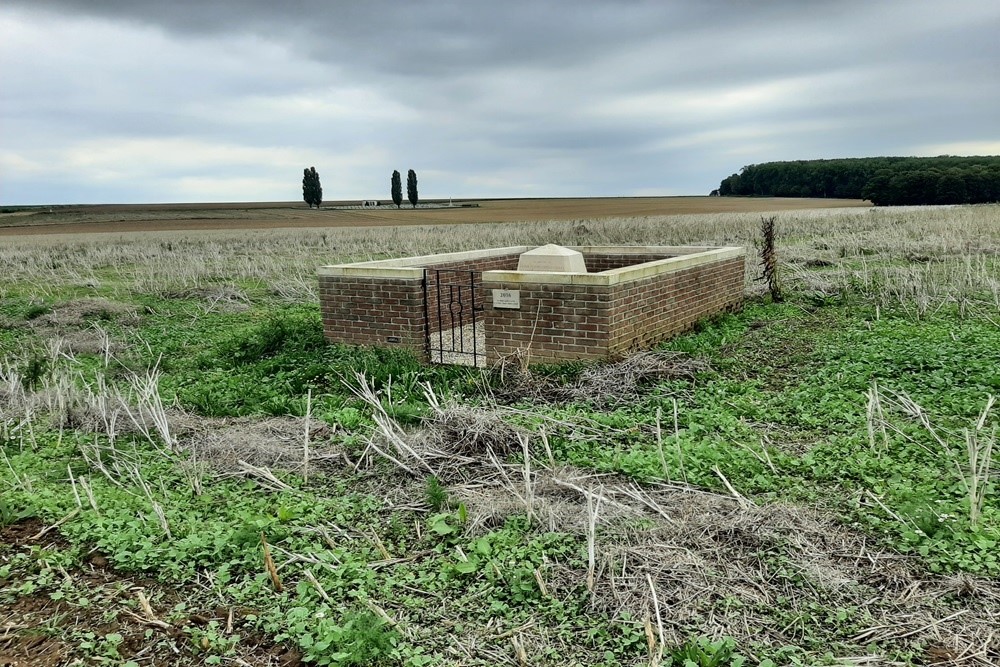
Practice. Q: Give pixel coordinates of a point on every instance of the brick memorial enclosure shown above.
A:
(551, 303)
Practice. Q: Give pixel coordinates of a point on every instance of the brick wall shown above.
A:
(387, 312)
(574, 317)
(498, 263)
(554, 322)
(390, 312)
(597, 262)
(647, 311)
(559, 321)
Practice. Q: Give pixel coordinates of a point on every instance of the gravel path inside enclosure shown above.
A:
(456, 346)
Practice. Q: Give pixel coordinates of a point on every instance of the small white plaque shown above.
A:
(507, 298)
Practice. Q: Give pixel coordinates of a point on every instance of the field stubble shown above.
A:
(915, 256)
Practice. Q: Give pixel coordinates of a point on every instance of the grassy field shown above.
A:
(189, 475)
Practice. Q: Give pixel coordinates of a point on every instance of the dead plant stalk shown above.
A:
(305, 439)
(592, 510)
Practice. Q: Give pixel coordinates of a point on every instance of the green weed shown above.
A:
(36, 310)
(358, 638)
(703, 652)
(436, 494)
(11, 513)
(34, 370)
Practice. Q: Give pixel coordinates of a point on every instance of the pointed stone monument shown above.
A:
(552, 258)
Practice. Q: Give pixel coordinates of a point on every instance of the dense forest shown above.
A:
(885, 181)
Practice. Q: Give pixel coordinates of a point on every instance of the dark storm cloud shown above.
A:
(563, 97)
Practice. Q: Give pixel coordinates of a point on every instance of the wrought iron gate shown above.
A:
(454, 326)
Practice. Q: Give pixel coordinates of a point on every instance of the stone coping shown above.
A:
(641, 249)
(413, 267)
(683, 257)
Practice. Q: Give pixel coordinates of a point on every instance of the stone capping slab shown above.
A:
(685, 258)
(641, 249)
(412, 267)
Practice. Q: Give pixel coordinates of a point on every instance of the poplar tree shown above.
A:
(312, 191)
(411, 188)
(397, 188)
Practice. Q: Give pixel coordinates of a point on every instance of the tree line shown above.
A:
(312, 191)
(885, 181)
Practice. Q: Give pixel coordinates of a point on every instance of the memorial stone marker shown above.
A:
(552, 258)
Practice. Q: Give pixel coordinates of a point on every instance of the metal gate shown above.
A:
(454, 326)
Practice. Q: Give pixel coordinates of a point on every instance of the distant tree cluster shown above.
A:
(976, 184)
(885, 181)
(396, 187)
(312, 191)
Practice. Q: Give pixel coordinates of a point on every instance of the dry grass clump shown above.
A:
(81, 325)
(465, 430)
(457, 441)
(135, 414)
(221, 298)
(80, 312)
(623, 381)
(554, 495)
(92, 340)
(727, 568)
(234, 447)
(452, 446)
(301, 289)
(43, 382)
(12, 390)
(601, 385)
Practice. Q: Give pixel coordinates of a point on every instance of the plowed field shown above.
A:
(278, 215)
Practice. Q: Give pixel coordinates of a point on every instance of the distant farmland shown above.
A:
(283, 215)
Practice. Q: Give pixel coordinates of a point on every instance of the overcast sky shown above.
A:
(108, 101)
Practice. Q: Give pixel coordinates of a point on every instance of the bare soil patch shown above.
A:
(101, 618)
